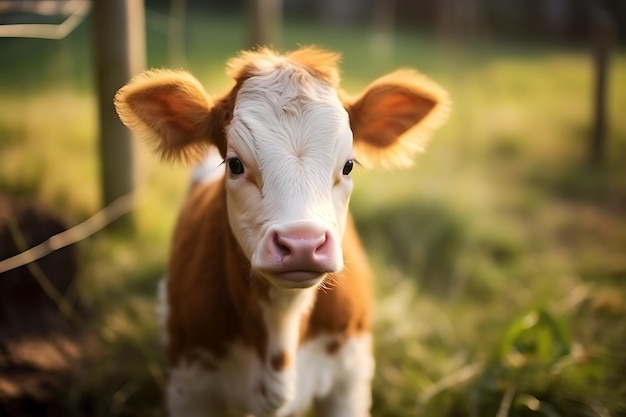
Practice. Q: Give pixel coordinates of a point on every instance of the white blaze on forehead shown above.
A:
(293, 136)
(291, 130)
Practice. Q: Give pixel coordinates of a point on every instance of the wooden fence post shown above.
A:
(265, 22)
(176, 34)
(603, 32)
(119, 41)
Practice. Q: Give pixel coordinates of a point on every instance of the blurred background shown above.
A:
(500, 257)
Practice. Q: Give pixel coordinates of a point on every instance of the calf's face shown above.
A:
(289, 156)
(289, 141)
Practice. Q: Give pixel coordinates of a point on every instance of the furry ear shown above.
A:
(169, 109)
(394, 118)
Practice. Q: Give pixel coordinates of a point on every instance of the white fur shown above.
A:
(282, 316)
(293, 136)
(210, 169)
(338, 384)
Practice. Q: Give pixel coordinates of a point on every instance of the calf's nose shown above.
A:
(304, 250)
(301, 248)
(297, 254)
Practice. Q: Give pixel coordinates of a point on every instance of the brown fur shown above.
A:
(214, 300)
(212, 296)
(280, 361)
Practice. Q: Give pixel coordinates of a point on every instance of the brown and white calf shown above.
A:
(268, 292)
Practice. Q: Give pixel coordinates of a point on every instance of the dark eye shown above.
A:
(347, 168)
(236, 166)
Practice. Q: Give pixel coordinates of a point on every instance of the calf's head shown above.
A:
(289, 140)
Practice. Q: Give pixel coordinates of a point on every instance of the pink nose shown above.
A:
(298, 253)
(302, 250)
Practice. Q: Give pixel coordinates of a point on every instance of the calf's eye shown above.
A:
(347, 168)
(236, 166)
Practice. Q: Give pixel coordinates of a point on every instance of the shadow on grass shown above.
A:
(441, 248)
(422, 239)
(583, 182)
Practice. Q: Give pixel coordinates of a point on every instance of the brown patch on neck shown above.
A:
(280, 361)
(213, 299)
(334, 345)
(344, 309)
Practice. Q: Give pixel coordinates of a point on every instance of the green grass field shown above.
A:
(500, 257)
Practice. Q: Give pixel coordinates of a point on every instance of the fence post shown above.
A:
(176, 33)
(119, 41)
(602, 40)
(265, 22)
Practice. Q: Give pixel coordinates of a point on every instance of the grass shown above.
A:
(499, 257)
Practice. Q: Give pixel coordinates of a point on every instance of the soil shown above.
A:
(40, 347)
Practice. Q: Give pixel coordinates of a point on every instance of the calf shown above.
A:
(268, 292)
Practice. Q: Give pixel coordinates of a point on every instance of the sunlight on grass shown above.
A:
(50, 147)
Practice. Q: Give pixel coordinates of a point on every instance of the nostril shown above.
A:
(322, 247)
(280, 245)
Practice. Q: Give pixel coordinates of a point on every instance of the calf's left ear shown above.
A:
(394, 118)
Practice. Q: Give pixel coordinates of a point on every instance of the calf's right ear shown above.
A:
(172, 111)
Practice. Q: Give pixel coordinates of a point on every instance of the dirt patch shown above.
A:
(40, 347)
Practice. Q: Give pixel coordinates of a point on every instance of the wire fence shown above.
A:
(81, 231)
